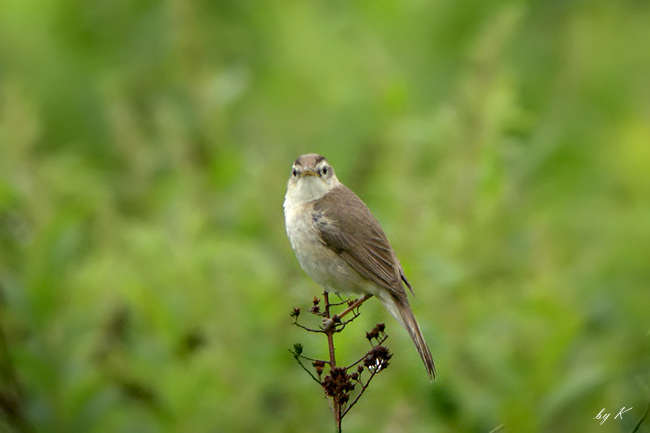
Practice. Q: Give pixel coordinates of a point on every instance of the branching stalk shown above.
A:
(338, 383)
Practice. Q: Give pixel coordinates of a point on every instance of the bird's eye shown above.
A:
(324, 171)
(294, 172)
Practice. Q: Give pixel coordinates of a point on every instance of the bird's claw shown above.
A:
(329, 323)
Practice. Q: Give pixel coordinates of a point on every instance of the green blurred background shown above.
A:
(145, 275)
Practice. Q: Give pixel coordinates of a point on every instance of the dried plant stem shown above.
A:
(354, 306)
(308, 372)
(363, 389)
(332, 320)
(336, 407)
(338, 382)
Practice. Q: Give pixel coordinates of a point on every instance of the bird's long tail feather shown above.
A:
(404, 314)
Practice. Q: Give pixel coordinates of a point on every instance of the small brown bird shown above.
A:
(342, 247)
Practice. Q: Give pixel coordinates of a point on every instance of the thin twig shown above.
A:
(363, 388)
(318, 331)
(337, 317)
(379, 343)
(336, 304)
(297, 357)
(313, 359)
(354, 306)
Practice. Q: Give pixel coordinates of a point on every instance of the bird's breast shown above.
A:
(321, 263)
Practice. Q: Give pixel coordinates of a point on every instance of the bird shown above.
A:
(342, 247)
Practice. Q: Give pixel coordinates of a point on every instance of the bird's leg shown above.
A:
(328, 323)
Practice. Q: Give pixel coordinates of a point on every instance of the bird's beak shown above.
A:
(308, 172)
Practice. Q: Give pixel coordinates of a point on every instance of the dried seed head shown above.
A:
(372, 334)
(377, 359)
(319, 366)
(337, 384)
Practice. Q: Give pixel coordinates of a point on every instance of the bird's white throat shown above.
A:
(306, 189)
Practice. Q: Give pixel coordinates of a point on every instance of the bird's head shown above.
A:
(311, 178)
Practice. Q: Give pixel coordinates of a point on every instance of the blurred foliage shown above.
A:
(145, 276)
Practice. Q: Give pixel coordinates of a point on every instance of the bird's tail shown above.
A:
(404, 314)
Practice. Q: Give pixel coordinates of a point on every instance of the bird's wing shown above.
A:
(347, 227)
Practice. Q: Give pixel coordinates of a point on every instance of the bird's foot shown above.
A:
(330, 322)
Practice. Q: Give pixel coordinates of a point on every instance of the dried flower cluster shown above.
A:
(377, 358)
(338, 384)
